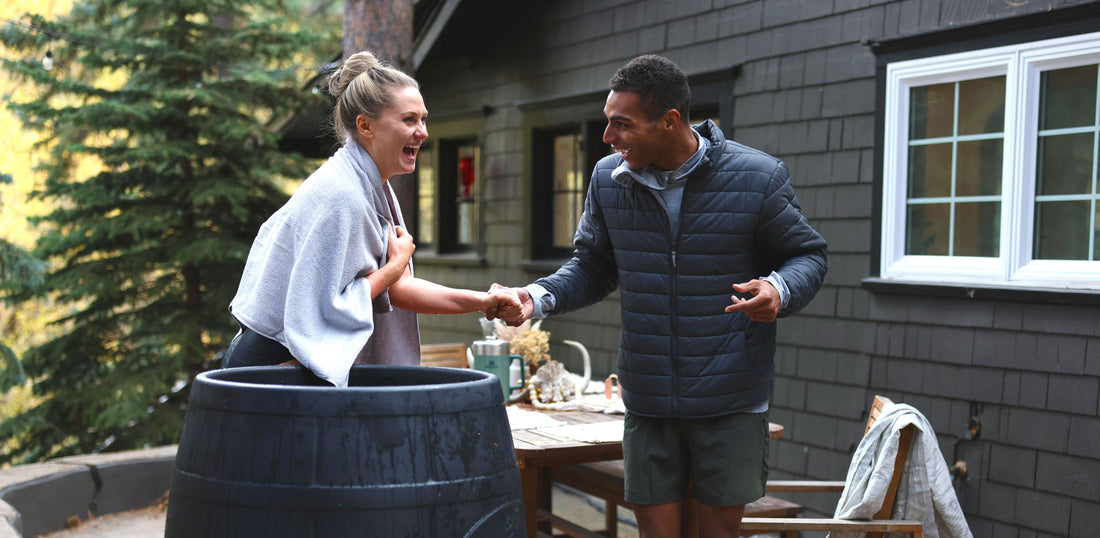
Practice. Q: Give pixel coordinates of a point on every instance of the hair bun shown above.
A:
(363, 95)
(355, 65)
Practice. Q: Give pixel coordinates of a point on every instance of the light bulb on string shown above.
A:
(47, 60)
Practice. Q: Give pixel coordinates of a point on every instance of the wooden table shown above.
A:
(539, 448)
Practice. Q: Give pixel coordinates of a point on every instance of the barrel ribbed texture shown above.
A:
(400, 452)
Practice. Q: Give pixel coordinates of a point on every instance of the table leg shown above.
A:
(529, 480)
(611, 518)
(546, 497)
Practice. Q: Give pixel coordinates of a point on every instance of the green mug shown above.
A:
(499, 366)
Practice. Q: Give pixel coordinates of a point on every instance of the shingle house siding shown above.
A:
(1010, 378)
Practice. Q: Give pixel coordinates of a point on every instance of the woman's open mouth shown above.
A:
(410, 151)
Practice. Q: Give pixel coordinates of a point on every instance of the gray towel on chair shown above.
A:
(925, 493)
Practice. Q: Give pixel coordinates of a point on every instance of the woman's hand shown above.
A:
(401, 247)
(398, 253)
(502, 303)
(515, 316)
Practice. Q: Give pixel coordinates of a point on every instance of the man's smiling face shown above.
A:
(631, 133)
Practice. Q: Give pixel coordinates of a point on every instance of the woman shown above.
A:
(328, 282)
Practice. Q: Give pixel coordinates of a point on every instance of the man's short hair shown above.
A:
(660, 83)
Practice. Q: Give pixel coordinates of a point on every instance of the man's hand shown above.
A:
(526, 309)
(762, 307)
(501, 303)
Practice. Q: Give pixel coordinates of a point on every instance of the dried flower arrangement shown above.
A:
(533, 345)
(526, 340)
(506, 332)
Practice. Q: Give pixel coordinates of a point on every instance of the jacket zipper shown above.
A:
(674, 358)
(673, 348)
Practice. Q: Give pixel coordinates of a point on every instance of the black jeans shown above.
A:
(249, 348)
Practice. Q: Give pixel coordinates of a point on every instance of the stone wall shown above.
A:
(41, 498)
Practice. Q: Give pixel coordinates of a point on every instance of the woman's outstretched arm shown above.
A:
(425, 297)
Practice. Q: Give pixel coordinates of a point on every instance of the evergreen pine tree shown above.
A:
(18, 270)
(174, 99)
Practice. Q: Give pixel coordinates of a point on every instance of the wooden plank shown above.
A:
(770, 524)
(446, 355)
(876, 410)
(905, 439)
(819, 486)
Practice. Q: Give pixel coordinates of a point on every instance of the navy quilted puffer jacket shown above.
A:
(680, 353)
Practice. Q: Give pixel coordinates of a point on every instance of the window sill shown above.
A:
(961, 291)
(460, 259)
(542, 266)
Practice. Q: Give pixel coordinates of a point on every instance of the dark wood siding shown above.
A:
(1024, 368)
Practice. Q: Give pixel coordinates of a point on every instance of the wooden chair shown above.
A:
(876, 528)
(449, 355)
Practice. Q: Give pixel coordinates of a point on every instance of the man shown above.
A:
(674, 219)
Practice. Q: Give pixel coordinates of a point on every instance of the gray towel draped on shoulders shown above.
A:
(302, 284)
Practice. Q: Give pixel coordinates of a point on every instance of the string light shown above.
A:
(48, 60)
(57, 35)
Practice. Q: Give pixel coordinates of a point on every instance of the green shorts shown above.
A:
(723, 459)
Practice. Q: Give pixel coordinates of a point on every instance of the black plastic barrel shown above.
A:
(401, 452)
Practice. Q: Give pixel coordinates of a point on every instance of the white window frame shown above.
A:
(1022, 65)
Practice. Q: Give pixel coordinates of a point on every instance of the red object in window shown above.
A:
(466, 176)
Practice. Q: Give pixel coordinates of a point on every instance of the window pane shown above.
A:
(982, 105)
(568, 188)
(469, 182)
(425, 192)
(1065, 164)
(927, 232)
(566, 149)
(989, 147)
(1096, 232)
(931, 111)
(1062, 230)
(1068, 98)
(977, 229)
(930, 171)
(979, 172)
(467, 212)
(565, 225)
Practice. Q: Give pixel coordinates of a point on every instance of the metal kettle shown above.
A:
(491, 346)
(493, 355)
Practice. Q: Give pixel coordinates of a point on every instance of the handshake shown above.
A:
(512, 305)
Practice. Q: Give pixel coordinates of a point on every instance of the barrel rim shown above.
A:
(213, 379)
(455, 391)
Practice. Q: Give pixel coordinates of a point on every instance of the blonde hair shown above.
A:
(363, 85)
